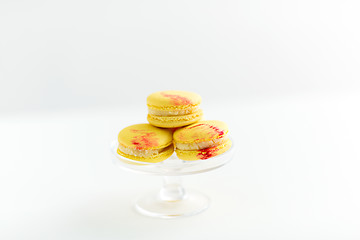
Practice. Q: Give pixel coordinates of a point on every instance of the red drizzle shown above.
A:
(213, 151)
(207, 153)
(144, 140)
(216, 129)
(177, 100)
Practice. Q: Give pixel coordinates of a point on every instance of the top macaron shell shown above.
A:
(201, 132)
(145, 137)
(173, 100)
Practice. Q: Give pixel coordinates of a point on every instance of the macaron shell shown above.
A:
(145, 137)
(153, 159)
(203, 154)
(173, 100)
(175, 121)
(201, 131)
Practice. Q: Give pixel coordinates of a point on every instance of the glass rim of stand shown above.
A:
(172, 166)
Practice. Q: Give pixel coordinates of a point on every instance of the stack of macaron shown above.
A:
(175, 124)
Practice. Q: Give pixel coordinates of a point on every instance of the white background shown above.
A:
(283, 74)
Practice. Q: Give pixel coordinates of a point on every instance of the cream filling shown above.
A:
(201, 145)
(175, 112)
(140, 152)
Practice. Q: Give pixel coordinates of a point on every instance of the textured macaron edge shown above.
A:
(176, 140)
(175, 121)
(153, 159)
(203, 154)
(175, 118)
(175, 107)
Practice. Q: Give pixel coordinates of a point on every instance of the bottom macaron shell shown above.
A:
(174, 121)
(168, 151)
(203, 154)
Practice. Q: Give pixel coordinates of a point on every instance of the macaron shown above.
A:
(172, 109)
(145, 143)
(202, 140)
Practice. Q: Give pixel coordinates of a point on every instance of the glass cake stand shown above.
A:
(172, 200)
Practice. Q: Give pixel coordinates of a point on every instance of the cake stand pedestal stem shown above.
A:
(172, 189)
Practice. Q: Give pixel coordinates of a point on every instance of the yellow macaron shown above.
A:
(145, 143)
(171, 109)
(202, 140)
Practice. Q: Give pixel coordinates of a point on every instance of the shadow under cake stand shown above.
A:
(172, 200)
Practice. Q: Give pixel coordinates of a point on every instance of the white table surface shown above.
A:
(296, 175)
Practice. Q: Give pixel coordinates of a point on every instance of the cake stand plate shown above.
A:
(172, 200)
